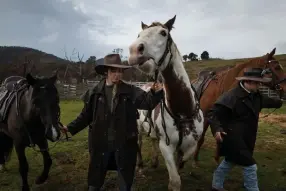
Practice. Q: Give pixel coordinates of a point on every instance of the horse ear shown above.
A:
(31, 80)
(143, 25)
(272, 53)
(169, 24)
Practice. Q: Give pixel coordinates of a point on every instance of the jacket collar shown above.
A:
(123, 88)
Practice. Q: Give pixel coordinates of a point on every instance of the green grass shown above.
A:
(279, 111)
(70, 163)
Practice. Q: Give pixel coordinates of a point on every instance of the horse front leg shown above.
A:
(168, 155)
(23, 166)
(200, 143)
(47, 163)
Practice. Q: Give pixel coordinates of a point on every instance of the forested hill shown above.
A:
(16, 60)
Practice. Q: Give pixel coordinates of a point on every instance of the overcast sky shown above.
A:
(225, 28)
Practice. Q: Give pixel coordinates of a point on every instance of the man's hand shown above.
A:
(156, 87)
(64, 129)
(219, 136)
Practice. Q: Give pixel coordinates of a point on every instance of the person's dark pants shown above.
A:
(96, 174)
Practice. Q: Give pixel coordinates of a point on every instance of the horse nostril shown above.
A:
(141, 48)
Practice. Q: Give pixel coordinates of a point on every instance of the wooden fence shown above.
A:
(69, 91)
(74, 91)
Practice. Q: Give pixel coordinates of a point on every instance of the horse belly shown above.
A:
(189, 143)
(171, 130)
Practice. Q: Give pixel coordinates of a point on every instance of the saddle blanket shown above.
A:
(6, 99)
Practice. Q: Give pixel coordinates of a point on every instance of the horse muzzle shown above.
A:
(53, 133)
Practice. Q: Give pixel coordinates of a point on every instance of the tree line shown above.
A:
(194, 57)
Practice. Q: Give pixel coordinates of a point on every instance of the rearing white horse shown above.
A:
(180, 119)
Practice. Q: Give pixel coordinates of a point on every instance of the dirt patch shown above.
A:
(64, 158)
(274, 119)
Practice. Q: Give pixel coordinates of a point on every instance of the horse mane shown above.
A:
(156, 23)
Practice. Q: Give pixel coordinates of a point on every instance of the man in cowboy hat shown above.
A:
(111, 112)
(234, 122)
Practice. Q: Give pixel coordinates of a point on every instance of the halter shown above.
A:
(274, 85)
(162, 59)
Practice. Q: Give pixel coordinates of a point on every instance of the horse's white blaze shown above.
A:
(55, 134)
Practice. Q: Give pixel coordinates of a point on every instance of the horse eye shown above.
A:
(163, 33)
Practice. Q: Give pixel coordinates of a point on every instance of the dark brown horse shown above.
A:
(29, 116)
(212, 84)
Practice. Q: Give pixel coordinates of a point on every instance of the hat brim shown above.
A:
(102, 69)
(262, 80)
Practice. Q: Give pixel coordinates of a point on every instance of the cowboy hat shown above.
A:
(254, 74)
(111, 60)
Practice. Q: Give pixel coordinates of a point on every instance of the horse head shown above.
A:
(43, 100)
(151, 51)
(273, 69)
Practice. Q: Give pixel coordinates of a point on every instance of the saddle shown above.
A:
(8, 93)
(202, 82)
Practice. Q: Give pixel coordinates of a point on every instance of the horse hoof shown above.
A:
(25, 188)
(41, 179)
(174, 186)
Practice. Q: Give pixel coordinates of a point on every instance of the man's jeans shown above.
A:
(249, 175)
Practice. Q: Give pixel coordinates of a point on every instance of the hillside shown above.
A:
(194, 67)
(16, 60)
(12, 59)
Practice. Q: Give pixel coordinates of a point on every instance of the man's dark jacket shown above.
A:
(236, 112)
(95, 113)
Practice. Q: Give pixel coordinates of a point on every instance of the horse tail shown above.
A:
(6, 147)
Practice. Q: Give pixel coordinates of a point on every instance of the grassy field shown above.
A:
(70, 162)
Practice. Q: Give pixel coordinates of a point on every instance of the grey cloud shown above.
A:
(225, 28)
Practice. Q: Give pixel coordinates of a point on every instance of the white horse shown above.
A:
(180, 120)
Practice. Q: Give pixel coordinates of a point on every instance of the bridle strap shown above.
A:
(274, 85)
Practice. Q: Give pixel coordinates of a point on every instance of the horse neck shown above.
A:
(179, 95)
(227, 77)
(25, 105)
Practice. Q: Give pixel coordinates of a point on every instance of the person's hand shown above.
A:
(156, 87)
(219, 136)
(64, 129)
